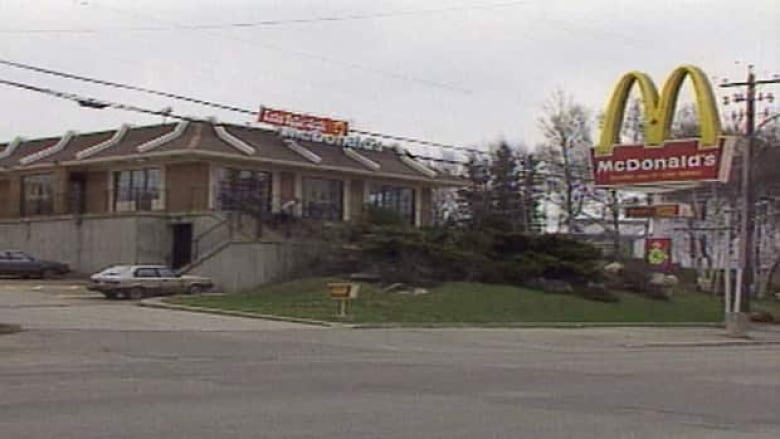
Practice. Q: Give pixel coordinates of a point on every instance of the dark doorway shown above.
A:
(77, 198)
(182, 245)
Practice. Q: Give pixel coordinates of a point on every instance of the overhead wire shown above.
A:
(213, 104)
(453, 88)
(90, 102)
(279, 22)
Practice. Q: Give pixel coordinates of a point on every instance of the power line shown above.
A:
(212, 104)
(277, 22)
(125, 86)
(454, 88)
(89, 102)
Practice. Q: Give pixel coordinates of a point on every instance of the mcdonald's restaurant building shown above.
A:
(170, 193)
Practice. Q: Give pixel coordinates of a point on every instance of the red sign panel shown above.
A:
(303, 122)
(658, 252)
(676, 161)
(655, 211)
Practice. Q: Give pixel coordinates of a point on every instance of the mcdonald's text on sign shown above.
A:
(672, 162)
(661, 160)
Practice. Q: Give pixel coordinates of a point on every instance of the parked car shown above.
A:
(20, 264)
(139, 281)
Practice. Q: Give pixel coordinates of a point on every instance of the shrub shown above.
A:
(382, 216)
(423, 256)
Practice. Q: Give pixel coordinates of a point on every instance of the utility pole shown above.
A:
(747, 194)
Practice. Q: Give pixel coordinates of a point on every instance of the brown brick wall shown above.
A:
(6, 202)
(15, 210)
(426, 206)
(97, 192)
(60, 183)
(287, 187)
(356, 193)
(186, 187)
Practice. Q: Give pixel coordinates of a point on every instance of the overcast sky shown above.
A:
(465, 72)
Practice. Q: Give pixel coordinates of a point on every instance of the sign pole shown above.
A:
(727, 268)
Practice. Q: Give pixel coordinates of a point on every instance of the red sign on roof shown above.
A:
(303, 122)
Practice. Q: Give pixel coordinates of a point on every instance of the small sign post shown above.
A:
(343, 293)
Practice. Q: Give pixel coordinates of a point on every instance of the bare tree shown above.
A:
(566, 127)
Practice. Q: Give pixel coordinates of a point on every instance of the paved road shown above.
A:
(141, 373)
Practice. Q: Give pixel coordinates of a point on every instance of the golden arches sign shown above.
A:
(659, 110)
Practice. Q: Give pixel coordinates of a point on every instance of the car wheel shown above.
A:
(136, 293)
(196, 289)
(48, 273)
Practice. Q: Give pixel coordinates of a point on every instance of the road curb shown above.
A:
(531, 325)
(692, 344)
(158, 302)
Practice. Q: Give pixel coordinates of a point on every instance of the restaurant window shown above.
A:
(323, 199)
(137, 190)
(37, 194)
(244, 189)
(397, 199)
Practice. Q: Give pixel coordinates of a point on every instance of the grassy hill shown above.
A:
(462, 302)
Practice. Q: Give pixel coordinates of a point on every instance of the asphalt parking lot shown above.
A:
(86, 367)
(67, 305)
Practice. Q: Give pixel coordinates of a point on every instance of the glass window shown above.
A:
(153, 183)
(394, 198)
(122, 188)
(165, 272)
(137, 189)
(19, 256)
(244, 189)
(145, 272)
(37, 194)
(323, 198)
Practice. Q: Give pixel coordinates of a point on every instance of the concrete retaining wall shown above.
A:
(93, 242)
(241, 265)
(90, 243)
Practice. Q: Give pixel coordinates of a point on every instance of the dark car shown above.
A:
(20, 264)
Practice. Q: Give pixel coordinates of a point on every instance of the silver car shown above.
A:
(138, 281)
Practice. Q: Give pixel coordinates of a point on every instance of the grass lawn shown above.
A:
(770, 305)
(461, 302)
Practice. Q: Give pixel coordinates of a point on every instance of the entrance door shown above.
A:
(78, 189)
(182, 245)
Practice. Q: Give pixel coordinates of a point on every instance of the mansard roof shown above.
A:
(208, 139)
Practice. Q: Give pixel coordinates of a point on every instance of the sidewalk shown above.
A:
(757, 335)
